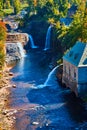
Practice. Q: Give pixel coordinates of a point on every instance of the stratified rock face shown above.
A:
(12, 52)
(17, 37)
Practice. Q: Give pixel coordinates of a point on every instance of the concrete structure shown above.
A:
(75, 69)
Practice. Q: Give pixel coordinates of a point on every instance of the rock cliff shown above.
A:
(12, 52)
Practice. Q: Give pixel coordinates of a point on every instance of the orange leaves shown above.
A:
(35, 2)
(2, 45)
(2, 31)
(2, 24)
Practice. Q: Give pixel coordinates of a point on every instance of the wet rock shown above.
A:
(47, 124)
(14, 86)
(7, 78)
(4, 112)
(14, 118)
(35, 123)
(7, 71)
(10, 113)
(15, 111)
(10, 74)
(5, 100)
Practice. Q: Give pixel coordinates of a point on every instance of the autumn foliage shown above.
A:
(2, 31)
(2, 45)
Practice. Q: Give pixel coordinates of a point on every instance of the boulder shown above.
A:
(10, 74)
(14, 86)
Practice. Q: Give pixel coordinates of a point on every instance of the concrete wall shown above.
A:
(75, 78)
(69, 71)
(70, 76)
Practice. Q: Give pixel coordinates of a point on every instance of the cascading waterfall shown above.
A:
(51, 77)
(21, 50)
(32, 42)
(51, 80)
(47, 43)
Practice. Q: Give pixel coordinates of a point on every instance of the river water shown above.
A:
(43, 108)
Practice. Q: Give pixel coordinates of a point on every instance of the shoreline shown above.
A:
(7, 120)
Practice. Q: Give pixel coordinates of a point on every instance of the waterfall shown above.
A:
(32, 42)
(21, 50)
(47, 43)
(51, 77)
(51, 80)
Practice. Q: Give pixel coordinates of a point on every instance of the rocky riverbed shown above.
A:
(6, 115)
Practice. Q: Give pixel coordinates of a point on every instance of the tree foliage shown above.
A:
(2, 45)
(16, 4)
(77, 30)
(51, 11)
(2, 31)
(11, 4)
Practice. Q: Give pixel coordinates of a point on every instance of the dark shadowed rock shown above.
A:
(10, 74)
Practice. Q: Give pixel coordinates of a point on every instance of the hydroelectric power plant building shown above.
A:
(75, 69)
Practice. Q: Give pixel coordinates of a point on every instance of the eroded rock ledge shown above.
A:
(12, 52)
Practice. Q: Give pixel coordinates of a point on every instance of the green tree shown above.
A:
(6, 4)
(1, 4)
(77, 30)
(1, 8)
(16, 5)
(63, 7)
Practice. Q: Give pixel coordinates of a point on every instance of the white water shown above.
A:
(51, 77)
(51, 80)
(32, 42)
(48, 35)
(21, 50)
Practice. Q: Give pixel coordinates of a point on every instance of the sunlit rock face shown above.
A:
(12, 52)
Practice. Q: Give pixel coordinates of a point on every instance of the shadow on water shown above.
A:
(43, 96)
(76, 107)
(63, 109)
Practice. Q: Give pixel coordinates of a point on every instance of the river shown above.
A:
(43, 108)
